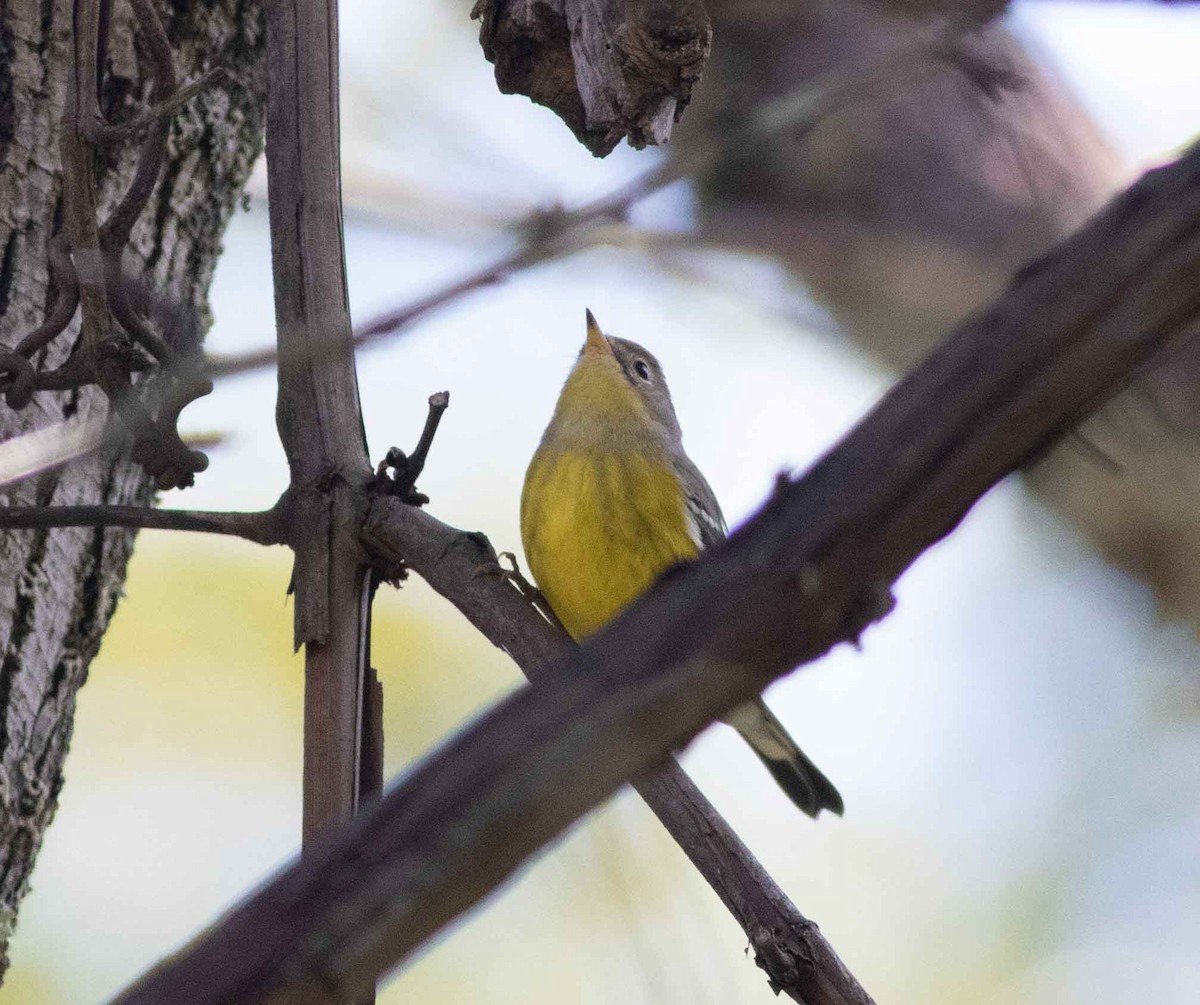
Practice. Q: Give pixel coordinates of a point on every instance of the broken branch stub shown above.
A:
(610, 69)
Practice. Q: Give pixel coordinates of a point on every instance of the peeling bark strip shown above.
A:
(58, 588)
(811, 569)
(610, 69)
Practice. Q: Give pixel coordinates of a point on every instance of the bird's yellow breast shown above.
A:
(598, 529)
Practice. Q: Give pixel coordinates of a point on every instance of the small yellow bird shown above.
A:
(611, 501)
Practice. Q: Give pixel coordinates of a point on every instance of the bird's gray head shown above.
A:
(615, 398)
(645, 375)
(641, 370)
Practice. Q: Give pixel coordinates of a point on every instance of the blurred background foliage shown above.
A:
(1019, 744)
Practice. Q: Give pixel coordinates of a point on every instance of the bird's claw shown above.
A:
(514, 575)
(523, 586)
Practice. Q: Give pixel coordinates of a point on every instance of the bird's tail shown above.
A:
(796, 774)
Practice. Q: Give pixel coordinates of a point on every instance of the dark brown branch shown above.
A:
(93, 247)
(614, 70)
(79, 196)
(813, 568)
(463, 568)
(263, 527)
(970, 12)
(119, 225)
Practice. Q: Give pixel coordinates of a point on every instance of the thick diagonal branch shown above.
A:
(463, 568)
(813, 568)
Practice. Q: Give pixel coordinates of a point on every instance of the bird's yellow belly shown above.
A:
(598, 529)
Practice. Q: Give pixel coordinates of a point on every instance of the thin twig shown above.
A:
(439, 401)
(552, 233)
(262, 527)
(408, 468)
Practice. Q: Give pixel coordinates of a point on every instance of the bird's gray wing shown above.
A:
(705, 519)
(796, 774)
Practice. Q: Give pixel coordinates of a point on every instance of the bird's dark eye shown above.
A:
(642, 370)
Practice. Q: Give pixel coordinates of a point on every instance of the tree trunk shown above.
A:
(58, 588)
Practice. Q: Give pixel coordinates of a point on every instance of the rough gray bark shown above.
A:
(58, 588)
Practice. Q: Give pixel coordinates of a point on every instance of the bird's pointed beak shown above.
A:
(596, 342)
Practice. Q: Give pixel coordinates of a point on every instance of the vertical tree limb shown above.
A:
(317, 412)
